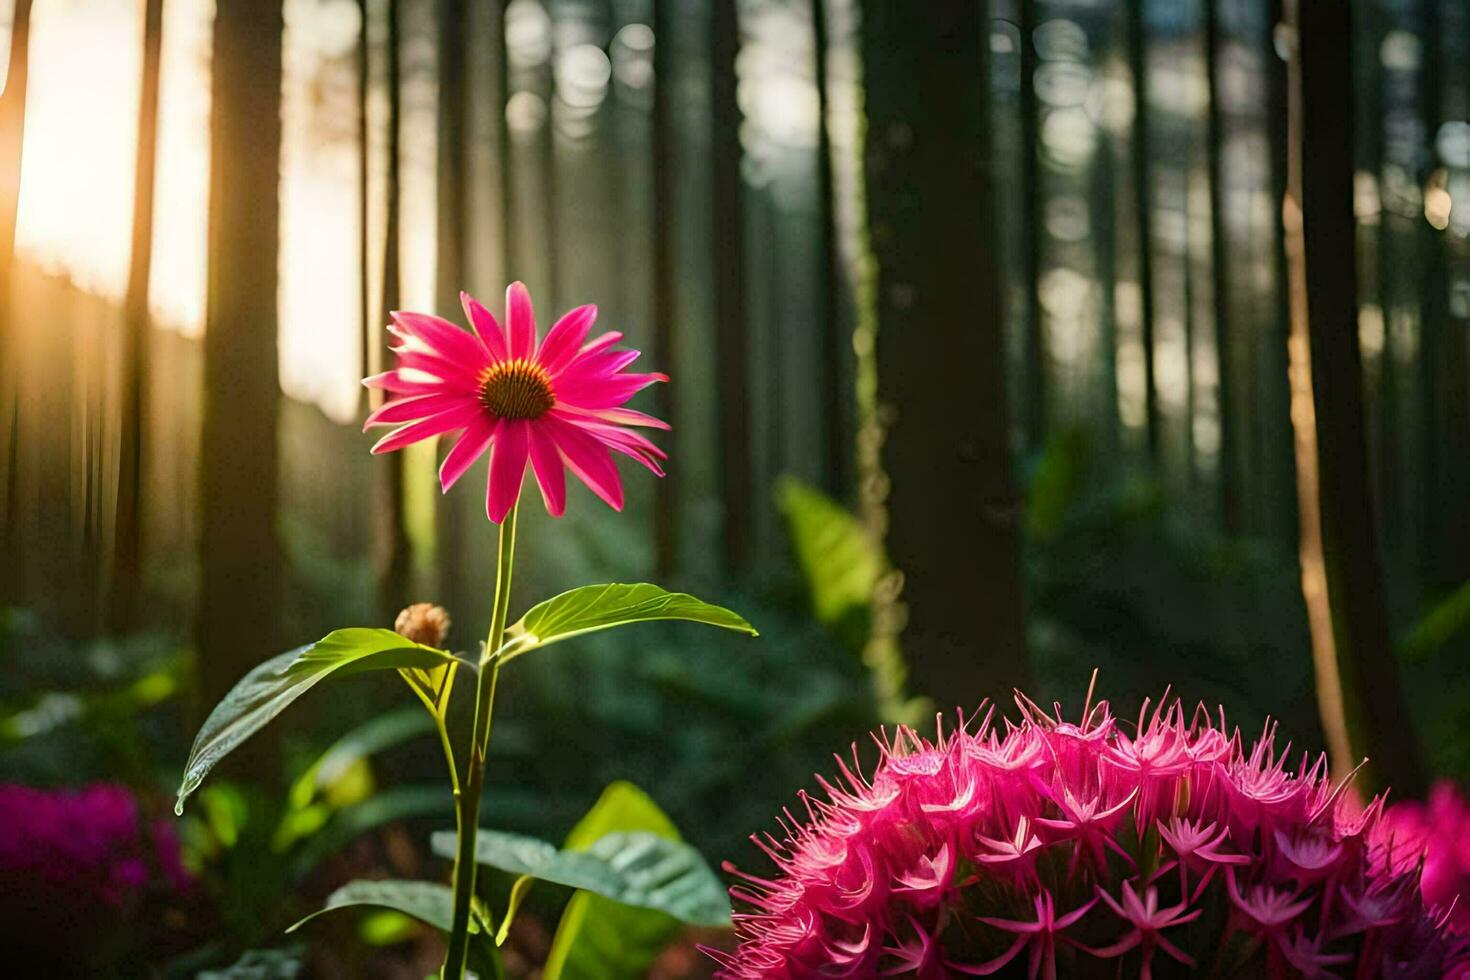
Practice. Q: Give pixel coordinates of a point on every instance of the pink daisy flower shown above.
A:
(554, 402)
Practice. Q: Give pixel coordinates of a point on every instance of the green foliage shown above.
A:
(687, 721)
(260, 964)
(1444, 621)
(427, 901)
(843, 570)
(271, 687)
(600, 607)
(839, 562)
(103, 709)
(597, 937)
(369, 738)
(635, 868)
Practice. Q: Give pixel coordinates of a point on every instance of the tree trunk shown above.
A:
(125, 584)
(12, 140)
(1033, 355)
(449, 265)
(729, 286)
(1143, 209)
(391, 533)
(1275, 445)
(1227, 468)
(368, 335)
(240, 552)
(1442, 379)
(837, 381)
(953, 515)
(1320, 225)
(667, 517)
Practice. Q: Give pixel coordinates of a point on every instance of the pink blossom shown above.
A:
(1439, 828)
(553, 403)
(1096, 848)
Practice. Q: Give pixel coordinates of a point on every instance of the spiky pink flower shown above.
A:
(555, 402)
(1438, 828)
(1097, 848)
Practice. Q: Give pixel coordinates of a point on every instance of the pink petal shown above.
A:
(993, 966)
(588, 459)
(615, 416)
(601, 343)
(486, 327)
(395, 382)
(469, 448)
(630, 444)
(551, 476)
(605, 392)
(507, 468)
(451, 372)
(561, 343)
(522, 321)
(416, 407)
(447, 339)
(589, 367)
(434, 425)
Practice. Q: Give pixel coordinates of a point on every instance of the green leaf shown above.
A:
(432, 685)
(367, 739)
(598, 937)
(260, 964)
(518, 892)
(845, 572)
(268, 689)
(1439, 626)
(622, 806)
(839, 561)
(427, 901)
(635, 868)
(406, 801)
(600, 607)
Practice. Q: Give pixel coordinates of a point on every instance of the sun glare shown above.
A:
(77, 175)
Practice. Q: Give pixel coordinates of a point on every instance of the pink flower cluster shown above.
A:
(65, 851)
(1439, 830)
(1097, 848)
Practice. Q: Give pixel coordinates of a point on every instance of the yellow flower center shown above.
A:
(516, 389)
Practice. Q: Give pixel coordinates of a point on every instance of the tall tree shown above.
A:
(953, 516)
(1274, 444)
(729, 284)
(667, 517)
(240, 552)
(450, 267)
(1327, 386)
(368, 336)
(1033, 337)
(1225, 345)
(1444, 398)
(125, 584)
(1143, 211)
(12, 140)
(393, 554)
(837, 402)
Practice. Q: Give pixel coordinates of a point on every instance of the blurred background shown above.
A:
(1007, 344)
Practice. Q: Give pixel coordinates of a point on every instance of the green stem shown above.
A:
(448, 748)
(469, 798)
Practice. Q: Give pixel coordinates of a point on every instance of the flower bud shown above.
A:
(423, 622)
